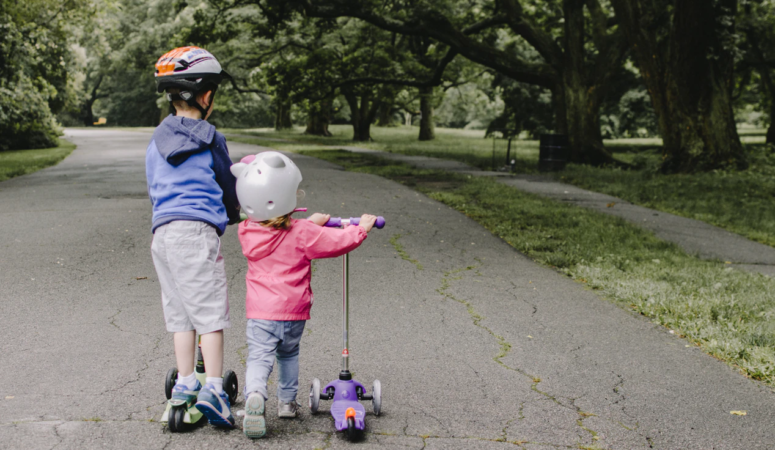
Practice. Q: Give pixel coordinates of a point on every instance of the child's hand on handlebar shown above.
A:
(367, 222)
(319, 218)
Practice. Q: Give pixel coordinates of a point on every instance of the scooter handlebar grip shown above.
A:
(337, 222)
(334, 222)
(379, 223)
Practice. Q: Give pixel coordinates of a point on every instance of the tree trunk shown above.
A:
(361, 131)
(689, 80)
(88, 112)
(282, 120)
(427, 131)
(165, 111)
(581, 101)
(362, 115)
(766, 80)
(318, 120)
(385, 115)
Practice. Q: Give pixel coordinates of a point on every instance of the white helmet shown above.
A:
(267, 185)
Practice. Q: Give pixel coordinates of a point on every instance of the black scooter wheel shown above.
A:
(231, 385)
(176, 417)
(169, 382)
(353, 433)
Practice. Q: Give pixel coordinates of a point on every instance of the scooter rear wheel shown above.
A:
(169, 382)
(314, 396)
(231, 385)
(353, 433)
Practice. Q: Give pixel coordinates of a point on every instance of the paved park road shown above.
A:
(475, 345)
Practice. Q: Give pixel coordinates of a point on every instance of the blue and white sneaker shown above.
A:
(215, 407)
(183, 395)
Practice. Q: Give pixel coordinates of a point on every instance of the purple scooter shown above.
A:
(348, 413)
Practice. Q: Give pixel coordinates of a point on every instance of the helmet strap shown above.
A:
(190, 99)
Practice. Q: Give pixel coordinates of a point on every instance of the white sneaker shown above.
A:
(287, 410)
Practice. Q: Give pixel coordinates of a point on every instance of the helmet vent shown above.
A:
(270, 205)
(274, 161)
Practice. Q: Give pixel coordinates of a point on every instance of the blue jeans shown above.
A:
(268, 339)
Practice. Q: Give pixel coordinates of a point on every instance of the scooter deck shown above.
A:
(339, 410)
(192, 416)
(345, 397)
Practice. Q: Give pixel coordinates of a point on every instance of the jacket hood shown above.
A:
(264, 240)
(177, 138)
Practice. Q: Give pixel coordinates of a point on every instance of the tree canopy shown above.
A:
(689, 71)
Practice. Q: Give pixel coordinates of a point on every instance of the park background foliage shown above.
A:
(514, 67)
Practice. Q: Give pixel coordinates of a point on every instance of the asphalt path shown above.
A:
(475, 345)
(694, 236)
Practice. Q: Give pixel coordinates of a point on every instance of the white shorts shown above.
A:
(188, 260)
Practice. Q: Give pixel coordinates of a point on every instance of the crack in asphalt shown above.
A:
(505, 347)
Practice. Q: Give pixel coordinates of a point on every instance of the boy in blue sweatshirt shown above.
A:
(193, 195)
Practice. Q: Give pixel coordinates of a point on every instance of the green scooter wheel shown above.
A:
(176, 417)
(231, 385)
(169, 382)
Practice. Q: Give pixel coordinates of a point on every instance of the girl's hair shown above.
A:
(278, 223)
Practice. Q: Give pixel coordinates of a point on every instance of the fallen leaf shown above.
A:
(9, 397)
(738, 413)
(727, 262)
(141, 278)
(610, 205)
(531, 337)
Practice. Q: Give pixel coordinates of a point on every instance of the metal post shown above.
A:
(345, 313)
(493, 151)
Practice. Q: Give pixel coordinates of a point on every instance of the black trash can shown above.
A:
(553, 152)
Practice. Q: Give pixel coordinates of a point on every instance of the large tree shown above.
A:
(576, 69)
(685, 52)
(757, 24)
(34, 56)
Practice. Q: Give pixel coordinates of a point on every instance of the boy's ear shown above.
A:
(236, 169)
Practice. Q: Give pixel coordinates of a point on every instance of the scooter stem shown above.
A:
(345, 313)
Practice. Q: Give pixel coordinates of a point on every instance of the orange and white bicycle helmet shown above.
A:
(192, 70)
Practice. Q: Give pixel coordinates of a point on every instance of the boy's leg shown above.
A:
(288, 367)
(212, 353)
(185, 349)
(176, 319)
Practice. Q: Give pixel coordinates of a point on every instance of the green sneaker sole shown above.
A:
(254, 423)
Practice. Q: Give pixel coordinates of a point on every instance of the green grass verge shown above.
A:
(729, 313)
(741, 201)
(21, 162)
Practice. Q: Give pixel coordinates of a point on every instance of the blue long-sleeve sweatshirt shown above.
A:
(187, 167)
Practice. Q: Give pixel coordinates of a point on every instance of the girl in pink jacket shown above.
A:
(279, 250)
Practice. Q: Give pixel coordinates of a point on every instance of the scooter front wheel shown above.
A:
(314, 396)
(376, 397)
(176, 422)
(169, 382)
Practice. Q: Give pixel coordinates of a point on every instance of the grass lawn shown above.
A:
(740, 201)
(729, 313)
(21, 162)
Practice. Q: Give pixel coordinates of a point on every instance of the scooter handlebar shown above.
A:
(337, 222)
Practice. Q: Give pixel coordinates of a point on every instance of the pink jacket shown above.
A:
(279, 274)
